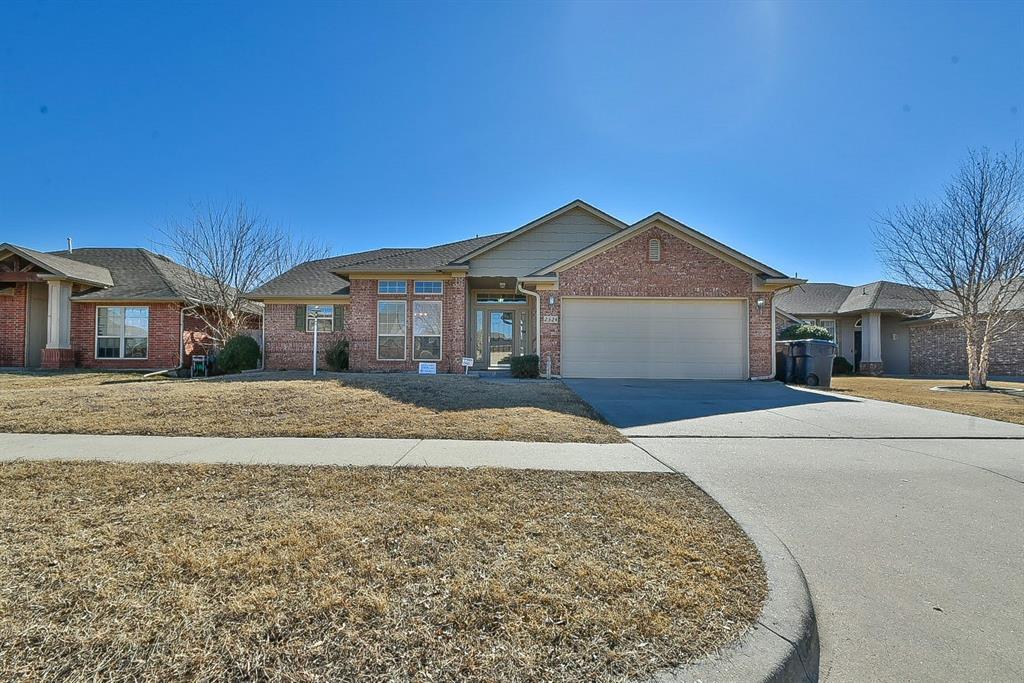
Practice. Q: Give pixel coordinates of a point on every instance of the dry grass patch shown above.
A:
(217, 573)
(295, 404)
(917, 392)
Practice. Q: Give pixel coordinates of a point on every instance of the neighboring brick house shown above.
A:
(597, 297)
(891, 328)
(105, 308)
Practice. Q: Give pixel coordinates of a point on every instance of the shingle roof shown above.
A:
(813, 297)
(72, 269)
(138, 274)
(317, 278)
(885, 296)
(430, 258)
(829, 297)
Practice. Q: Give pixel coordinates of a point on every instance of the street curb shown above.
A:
(782, 646)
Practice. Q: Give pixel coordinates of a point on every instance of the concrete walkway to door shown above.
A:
(907, 522)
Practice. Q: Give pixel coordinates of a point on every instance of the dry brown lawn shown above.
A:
(295, 404)
(121, 572)
(917, 392)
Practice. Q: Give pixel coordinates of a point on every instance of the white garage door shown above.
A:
(654, 338)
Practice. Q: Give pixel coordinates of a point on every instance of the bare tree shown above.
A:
(230, 249)
(965, 252)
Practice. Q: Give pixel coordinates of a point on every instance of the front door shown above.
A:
(36, 328)
(500, 337)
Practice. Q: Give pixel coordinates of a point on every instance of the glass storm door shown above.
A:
(502, 326)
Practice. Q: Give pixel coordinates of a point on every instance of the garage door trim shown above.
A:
(741, 299)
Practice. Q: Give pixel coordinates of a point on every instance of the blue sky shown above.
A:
(412, 124)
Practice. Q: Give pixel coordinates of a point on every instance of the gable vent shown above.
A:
(654, 250)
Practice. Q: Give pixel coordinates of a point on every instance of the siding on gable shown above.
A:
(542, 245)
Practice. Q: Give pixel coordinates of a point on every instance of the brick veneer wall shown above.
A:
(12, 327)
(362, 326)
(291, 349)
(941, 349)
(164, 338)
(683, 271)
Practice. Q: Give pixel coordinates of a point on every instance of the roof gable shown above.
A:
(65, 268)
(575, 205)
(673, 226)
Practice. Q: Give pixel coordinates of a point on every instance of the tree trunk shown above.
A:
(977, 357)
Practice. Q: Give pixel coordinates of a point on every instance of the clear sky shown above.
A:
(411, 124)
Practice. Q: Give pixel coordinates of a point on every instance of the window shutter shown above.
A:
(300, 318)
(339, 318)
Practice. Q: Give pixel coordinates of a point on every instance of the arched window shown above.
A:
(857, 325)
(654, 250)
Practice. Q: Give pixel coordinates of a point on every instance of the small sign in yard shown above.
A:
(467, 362)
(428, 368)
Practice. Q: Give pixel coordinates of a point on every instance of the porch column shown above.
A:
(871, 343)
(58, 353)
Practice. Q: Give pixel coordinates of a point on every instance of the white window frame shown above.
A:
(835, 328)
(320, 325)
(440, 335)
(416, 287)
(404, 335)
(122, 337)
(383, 289)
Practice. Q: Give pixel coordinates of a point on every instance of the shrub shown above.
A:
(337, 356)
(240, 353)
(804, 331)
(525, 367)
(841, 366)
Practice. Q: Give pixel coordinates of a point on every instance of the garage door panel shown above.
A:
(653, 338)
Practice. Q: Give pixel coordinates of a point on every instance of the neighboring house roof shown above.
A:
(138, 275)
(66, 268)
(812, 298)
(684, 230)
(317, 278)
(817, 298)
(1015, 303)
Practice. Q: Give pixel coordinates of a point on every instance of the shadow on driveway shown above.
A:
(627, 403)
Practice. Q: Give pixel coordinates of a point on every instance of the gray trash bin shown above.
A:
(812, 362)
(784, 361)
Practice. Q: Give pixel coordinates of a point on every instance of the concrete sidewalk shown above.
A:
(624, 457)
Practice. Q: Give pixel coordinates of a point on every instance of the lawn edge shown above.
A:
(782, 646)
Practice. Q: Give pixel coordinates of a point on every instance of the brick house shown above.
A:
(109, 308)
(888, 327)
(594, 296)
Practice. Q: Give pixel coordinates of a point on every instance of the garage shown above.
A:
(654, 338)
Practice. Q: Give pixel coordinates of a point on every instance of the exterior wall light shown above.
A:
(760, 304)
(551, 300)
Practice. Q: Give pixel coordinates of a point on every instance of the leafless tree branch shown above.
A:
(965, 251)
(230, 249)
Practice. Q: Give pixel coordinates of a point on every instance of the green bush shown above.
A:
(525, 367)
(803, 331)
(337, 356)
(841, 366)
(240, 353)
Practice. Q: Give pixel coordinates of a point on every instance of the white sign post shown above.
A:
(467, 363)
(316, 329)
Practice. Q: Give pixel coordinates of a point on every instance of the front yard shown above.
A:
(171, 572)
(295, 404)
(917, 392)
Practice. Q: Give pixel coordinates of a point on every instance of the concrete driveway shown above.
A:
(908, 522)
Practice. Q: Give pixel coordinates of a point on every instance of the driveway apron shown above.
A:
(907, 522)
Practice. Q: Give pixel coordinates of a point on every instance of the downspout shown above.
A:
(774, 359)
(181, 346)
(536, 325)
(263, 336)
